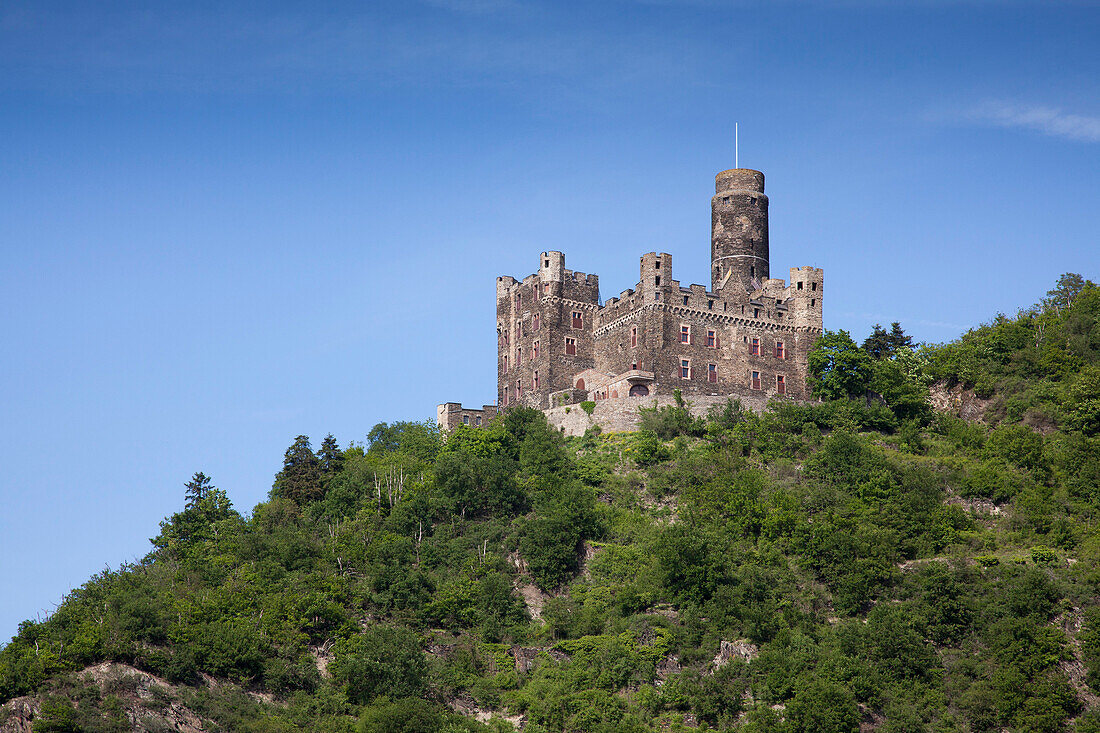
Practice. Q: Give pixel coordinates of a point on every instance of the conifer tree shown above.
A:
(300, 479)
(331, 458)
(196, 489)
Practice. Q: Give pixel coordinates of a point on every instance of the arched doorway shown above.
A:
(580, 383)
(639, 390)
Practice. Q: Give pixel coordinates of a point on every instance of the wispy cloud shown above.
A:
(1046, 120)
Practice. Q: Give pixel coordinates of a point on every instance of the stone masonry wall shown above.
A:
(621, 414)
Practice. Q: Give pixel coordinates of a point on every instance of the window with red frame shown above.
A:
(535, 322)
(685, 334)
(712, 373)
(780, 352)
(535, 350)
(535, 380)
(712, 339)
(780, 384)
(685, 369)
(570, 347)
(756, 380)
(578, 321)
(754, 347)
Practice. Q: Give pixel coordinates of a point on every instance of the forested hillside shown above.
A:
(865, 562)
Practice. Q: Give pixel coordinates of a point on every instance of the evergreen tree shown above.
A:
(197, 489)
(883, 344)
(300, 479)
(331, 458)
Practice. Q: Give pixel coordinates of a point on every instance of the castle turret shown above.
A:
(739, 231)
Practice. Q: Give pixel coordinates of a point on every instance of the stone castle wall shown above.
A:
(619, 415)
(748, 333)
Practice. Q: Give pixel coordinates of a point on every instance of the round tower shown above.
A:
(739, 230)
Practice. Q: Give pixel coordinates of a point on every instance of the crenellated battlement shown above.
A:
(747, 334)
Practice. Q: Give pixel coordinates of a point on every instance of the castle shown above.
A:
(747, 336)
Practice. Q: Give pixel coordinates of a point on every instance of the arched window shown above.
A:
(580, 384)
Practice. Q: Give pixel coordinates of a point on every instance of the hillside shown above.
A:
(862, 563)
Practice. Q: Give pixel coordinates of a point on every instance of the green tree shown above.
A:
(883, 344)
(838, 368)
(331, 458)
(381, 661)
(823, 706)
(300, 479)
(196, 489)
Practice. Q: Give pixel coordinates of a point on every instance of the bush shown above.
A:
(381, 661)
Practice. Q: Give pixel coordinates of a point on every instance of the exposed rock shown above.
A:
(742, 649)
(17, 714)
(959, 402)
(666, 668)
(525, 658)
(534, 598)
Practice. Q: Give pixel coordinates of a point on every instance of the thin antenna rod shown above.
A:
(736, 146)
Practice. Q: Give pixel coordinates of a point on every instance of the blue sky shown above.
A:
(226, 224)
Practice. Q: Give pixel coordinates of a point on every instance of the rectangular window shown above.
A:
(712, 373)
(780, 384)
(546, 288)
(571, 347)
(519, 357)
(634, 337)
(477, 421)
(754, 347)
(657, 280)
(517, 333)
(535, 322)
(465, 419)
(685, 369)
(505, 362)
(800, 286)
(535, 380)
(710, 305)
(685, 334)
(813, 286)
(756, 380)
(505, 334)
(634, 365)
(712, 339)
(519, 388)
(813, 302)
(578, 322)
(780, 352)
(685, 298)
(535, 350)
(755, 312)
(506, 389)
(519, 300)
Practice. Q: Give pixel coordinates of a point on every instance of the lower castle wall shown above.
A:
(618, 415)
